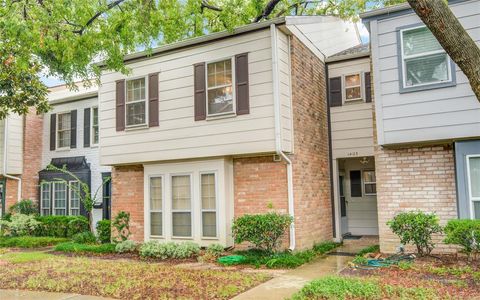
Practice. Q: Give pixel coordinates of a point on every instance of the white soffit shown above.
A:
(62, 93)
(328, 34)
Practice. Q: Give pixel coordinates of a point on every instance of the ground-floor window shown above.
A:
(209, 204)
(45, 194)
(369, 182)
(60, 198)
(74, 187)
(181, 206)
(156, 206)
(473, 171)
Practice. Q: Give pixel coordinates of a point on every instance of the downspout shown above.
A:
(278, 133)
(5, 160)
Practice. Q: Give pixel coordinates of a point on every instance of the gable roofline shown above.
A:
(393, 11)
(358, 51)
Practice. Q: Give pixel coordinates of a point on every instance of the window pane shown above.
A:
(352, 80)
(181, 192)
(419, 40)
(208, 191)
(156, 195)
(136, 113)
(476, 210)
(353, 93)
(474, 165)
(182, 224)
(370, 188)
(432, 68)
(209, 221)
(220, 100)
(60, 194)
(156, 223)
(74, 198)
(369, 176)
(95, 131)
(64, 121)
(136, 89)
(46, 197)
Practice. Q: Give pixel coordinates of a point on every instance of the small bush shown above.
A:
(24, 207)
(324, 247)
(30, 241)
(84, 248)
(369, 249)
(126, 246)
(104, 231)
(85, 237)
(288, 260)
(155, 249)
(61, 226)
(464, 233)
(20, 225)
(215, 249)
(263, 231)
(121, 223)
(416, 227)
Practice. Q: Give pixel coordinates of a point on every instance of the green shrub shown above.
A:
(159, 250)
(263, 231)
(288, 260)
(121, 223)
(416, 227)
(126, 246)
(369, 249)
(20, 225)
(85, 248)
(324, 247)
(85, 237)
(61, 226)
(104, 231)
(215, 249)
(24, 207)
(464, 233)
(29, 241)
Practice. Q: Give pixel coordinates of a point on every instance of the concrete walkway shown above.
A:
(29, 295)
(284, 286)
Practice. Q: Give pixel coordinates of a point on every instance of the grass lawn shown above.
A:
(123, 279)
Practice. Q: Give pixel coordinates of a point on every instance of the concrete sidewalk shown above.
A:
(30, 295)
(284, 286)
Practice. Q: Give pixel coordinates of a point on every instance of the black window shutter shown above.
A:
(241, 84)
(53, 129)
(153, 100)
(368, 88)
(73, 129)
(335, 91)
(86, 128)
(120, 105)
(355, 184)
(200, 95)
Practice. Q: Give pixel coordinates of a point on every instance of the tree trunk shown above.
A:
(461, 48)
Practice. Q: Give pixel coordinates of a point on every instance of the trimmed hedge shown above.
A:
(84, 248)
(30, 241)
(61, 226)
(464, 233)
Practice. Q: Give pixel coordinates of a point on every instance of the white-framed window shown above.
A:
(220, 89)
(156, 206)
(94, 130)
(136, 102)
(181, 205)
(74, 190)
(46, 198)
(353, 87)
(473, 176)
(59, 198)
(63, 130)
(424, 62)
(208, 190)
(369, 182)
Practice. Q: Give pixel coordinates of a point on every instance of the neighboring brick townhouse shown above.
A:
(215, 127)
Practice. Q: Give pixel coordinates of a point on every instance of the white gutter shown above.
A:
(278, 133)
(5, 154)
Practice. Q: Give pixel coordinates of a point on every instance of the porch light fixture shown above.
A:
(364, 160)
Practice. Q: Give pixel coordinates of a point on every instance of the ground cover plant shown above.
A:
(72, 247)
(30, 241)
(125, 279)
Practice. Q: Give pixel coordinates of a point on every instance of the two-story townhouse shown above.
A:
(427, 119)
(351, 122)
(71, 137)
(230, 123)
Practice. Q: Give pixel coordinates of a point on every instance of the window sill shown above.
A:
(207, 238)
(182, 238)
(63, 149)
(136, 127)
(219, 117)
(433, 86)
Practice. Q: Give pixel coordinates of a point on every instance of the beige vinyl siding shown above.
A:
(436, 114)
(14, 145)
(284, 69)
(178, 136)
(352, 123)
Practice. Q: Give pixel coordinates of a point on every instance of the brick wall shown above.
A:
(313, 211)
(414, 178)
(127, 195)
(32, 154)
(11, 192)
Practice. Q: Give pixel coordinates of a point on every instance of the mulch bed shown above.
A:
(451, 276)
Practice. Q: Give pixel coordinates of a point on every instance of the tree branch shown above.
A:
(205, 4)
(98, 14)
(267, 10)
(451, 35)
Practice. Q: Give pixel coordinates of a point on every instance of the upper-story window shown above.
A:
(63, 130)
(136, 104)
(94, 129)
(424, 62)
(353, 87)
(220, 87)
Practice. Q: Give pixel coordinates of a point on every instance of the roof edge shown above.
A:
(347, 57)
